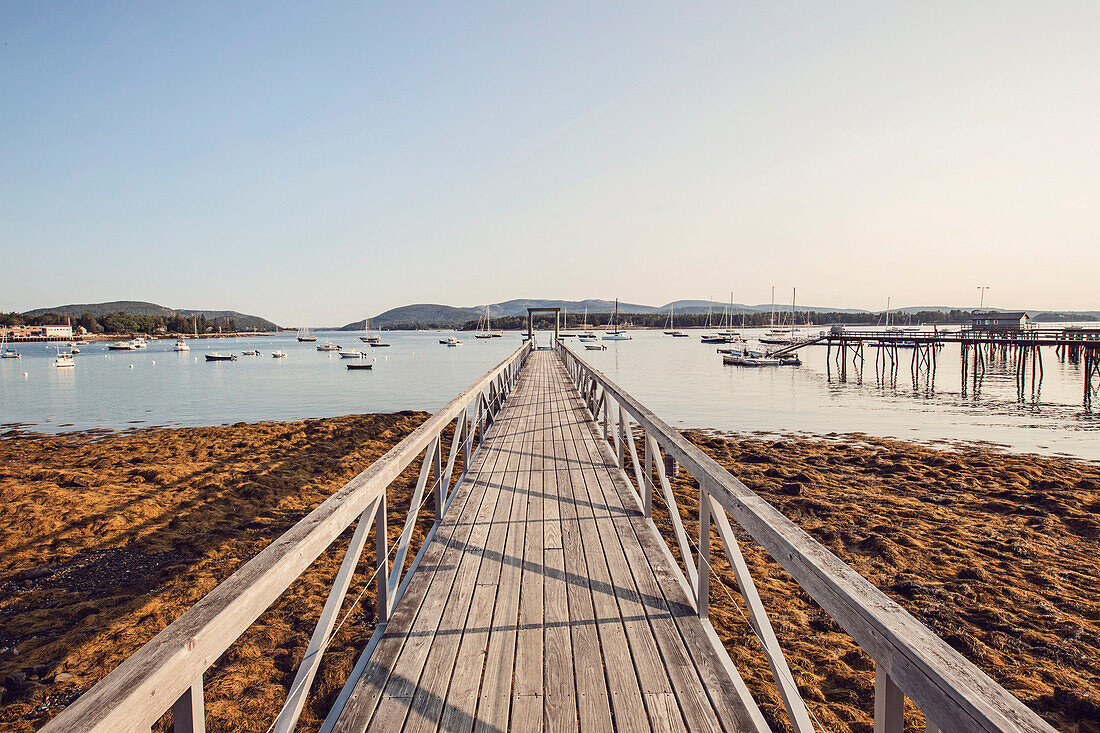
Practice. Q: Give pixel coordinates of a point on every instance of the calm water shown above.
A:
(682, 380)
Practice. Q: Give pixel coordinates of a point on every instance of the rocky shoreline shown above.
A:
(107, 538)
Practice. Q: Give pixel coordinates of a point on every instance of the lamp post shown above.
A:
(981, 300)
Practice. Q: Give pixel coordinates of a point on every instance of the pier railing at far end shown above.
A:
(910, 660)
(167, 672)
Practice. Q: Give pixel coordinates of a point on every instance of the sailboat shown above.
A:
(7, 352)
(586, 330)
(710, 338)
(783, 336)
(483, 332)
(728, 333)
(366, 338)
(616, 334)
(892, 330)
(304, 334)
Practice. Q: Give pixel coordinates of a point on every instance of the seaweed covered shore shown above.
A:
(106, 538)
(997, 553)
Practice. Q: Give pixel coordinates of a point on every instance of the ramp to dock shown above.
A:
(544, 599)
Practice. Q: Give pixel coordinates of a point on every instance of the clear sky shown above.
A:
(333, 159)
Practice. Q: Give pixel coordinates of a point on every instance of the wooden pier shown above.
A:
(1019, 349)
(544, 596)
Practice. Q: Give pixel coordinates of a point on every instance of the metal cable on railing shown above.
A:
(714, 573)
(429, 492)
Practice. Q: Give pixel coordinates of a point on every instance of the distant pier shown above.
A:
(847, 353)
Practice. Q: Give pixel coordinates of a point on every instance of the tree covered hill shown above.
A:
(130, 316)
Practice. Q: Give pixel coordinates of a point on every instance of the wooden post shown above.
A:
(188, 713)
(889, 703)
(702, 590)
(671, 468)
(382, 563)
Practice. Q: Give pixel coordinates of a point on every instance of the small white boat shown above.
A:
(278, 354)
(64, 361)
(253, 352)
(352, 354)
(453, 341)
(181, 345)
(123, 346)
(328, 346)
(759, 361)
(595, 346)
(140, 343)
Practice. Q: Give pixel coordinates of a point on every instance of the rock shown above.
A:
(61, 678)
(34, 573)
(16, 680)
(791, 488)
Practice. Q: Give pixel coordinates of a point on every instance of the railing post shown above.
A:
(647, 496)
(671, 469)
(440, 483)
(188, 712)
(889, 703)
(702, 590)
(467, 438)
(606, 424)
(382, 563)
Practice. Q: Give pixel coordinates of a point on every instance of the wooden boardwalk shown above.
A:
(545, 599)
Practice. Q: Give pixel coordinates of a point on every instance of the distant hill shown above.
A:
(133, 307)
(519, 307)
(244, 321)
(419, 315)
(701, 306)
(428, 315)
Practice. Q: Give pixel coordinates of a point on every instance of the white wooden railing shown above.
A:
(166, 673)
(910, 660)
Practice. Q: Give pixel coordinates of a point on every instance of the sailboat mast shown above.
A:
(794, 293)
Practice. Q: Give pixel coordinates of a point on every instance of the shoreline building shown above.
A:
(1000, 321)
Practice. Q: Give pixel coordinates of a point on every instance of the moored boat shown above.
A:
(278, 354)
(64, 360)
(366, 365)
(328, 346)
(217, 356)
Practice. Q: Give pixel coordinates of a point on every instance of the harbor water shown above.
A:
(682, 380)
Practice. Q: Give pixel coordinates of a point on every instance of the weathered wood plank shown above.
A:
(622, 680)
(593, 703)
(423, 671)
(494, 702)
(685, 682)
(455, 529)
